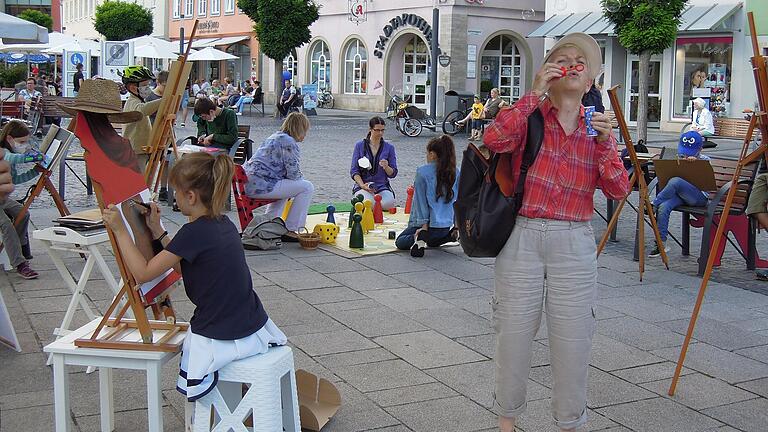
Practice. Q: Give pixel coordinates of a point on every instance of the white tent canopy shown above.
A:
(152, 47)
(14, 30)
(76, 45)
(210, 54)
(54, 39)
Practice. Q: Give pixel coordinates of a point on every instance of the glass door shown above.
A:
(654, 90)
(415, 65)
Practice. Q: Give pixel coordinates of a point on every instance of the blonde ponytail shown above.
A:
(223, 170)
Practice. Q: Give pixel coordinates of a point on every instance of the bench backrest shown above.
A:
(724, 170)
(11, 109)
(51, 109)
(731, 127)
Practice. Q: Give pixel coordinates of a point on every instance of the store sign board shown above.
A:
(358, 11)
(395, 23)
(209, 26)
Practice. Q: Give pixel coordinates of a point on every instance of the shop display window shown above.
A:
(703, 69)
(355, 68)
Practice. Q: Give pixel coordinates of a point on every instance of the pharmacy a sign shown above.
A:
(358, 11)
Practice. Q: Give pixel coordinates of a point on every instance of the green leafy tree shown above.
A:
(644, 28)
(37, 17)
(118, 20)
(281, 26)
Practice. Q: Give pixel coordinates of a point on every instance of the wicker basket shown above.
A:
(308, 240)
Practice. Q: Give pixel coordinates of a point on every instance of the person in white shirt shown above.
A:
(702, 119)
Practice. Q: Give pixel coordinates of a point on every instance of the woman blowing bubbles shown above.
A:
(553, 238)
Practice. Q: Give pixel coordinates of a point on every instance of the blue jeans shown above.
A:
(677, 192)
(241, 103)
(435, 237)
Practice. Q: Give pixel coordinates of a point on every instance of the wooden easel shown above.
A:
(645, 202)
(162, 130)
(759, 120)
(44, 182)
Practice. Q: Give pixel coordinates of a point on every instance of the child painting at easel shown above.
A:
(229, 321)
(14, 138)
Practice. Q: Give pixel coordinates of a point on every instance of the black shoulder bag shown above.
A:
(485, 209)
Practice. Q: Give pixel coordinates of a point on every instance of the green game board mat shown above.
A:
(341, 207)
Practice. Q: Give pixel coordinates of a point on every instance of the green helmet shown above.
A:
(136, 74)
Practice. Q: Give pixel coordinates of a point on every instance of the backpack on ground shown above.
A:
(263, 233)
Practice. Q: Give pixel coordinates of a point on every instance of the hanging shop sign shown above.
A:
(395, 23)
(358, 11)
(444, 60)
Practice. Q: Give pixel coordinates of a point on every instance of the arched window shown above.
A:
(355, 68)
(321, 66)
(502, 67)
(291, 64)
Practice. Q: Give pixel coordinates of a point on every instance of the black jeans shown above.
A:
(435, 237)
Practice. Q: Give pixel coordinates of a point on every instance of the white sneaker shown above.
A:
(656, 252)
(239, 113)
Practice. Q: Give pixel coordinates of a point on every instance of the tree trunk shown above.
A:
(278, 79)
(642, 92)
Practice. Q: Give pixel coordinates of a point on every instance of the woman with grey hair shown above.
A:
(702, 118)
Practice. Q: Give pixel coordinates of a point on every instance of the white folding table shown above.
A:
(65, 353)
(60, 239)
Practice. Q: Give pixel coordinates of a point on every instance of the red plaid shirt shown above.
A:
(562, 181)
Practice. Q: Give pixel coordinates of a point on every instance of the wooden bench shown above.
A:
(724, 170)
(52, 110)
(732, 128)
(12, 109)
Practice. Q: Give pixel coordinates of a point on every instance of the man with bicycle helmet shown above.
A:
(136, 80)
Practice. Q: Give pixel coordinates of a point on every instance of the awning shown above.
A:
(694, 19)
(214, 42)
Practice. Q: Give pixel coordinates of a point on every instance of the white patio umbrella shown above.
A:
(210, 54)
(156, 48)
(17, 30)
(54, 39)
(76, 45)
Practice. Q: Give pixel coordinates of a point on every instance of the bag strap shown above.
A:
(534, 138)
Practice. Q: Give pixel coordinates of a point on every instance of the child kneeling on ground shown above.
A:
(435, 190)
(229, 321)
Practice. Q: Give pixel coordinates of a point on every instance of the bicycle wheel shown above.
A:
(450, 125)
(412, 128)
(329, 101)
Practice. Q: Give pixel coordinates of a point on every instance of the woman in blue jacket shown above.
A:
(435, 190)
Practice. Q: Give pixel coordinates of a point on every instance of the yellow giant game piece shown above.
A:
(327, 232)
(368, 223)
(359, 210)
(287, 209)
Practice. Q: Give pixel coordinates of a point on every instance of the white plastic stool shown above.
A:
(5, 262)
(270, 397)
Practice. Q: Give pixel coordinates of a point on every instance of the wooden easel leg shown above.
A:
(615, 218)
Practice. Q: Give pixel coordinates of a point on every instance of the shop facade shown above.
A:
(220, 25)
(388, 51)
(710, 59)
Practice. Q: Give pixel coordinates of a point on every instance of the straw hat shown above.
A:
(103, 97)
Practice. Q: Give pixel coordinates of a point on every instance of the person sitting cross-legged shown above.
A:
(216, 126)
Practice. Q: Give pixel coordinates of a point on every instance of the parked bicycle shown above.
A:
(409, 119)
(325, 99)
(451, 125)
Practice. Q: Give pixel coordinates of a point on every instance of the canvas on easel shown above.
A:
(759, 121)
(117, 179)
(696, 172)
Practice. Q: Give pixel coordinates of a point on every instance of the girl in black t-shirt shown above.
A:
(229, 321)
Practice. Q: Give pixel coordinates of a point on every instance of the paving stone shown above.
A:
(639, 334)
(602, 313)
(407, 299)
(349, 305)
(458, 267)
(431, 281)
(538, 418)
(754, 324)
(366, 280)
(452, 322)
(272, 262)
(749, 416)
(377, 321)
(26, 400)
(294, 280)
(391, 264)
(487, 284)
(727, 294)
(644, 309)
(759, 353)
(462, 293)
(428, 349)
(358, 413)
(328, 295)
(331, 264)
(383, 375)
(480, 306)
(356, 357)
(609, 291)
(302, 361)
(411, 394)
(615, 278)
(658, 414)
(39, 294)
(473, 380)
(699, 392)
(727, 312)
(34, 418)
(22, 373)
(603, 389)
(132, 421)
(440, 415)
(129, 386)
(609, 354)
(758, 387)
(46, 304)
(331, 342)
(664, 370)
(717, 362)
(294, 250)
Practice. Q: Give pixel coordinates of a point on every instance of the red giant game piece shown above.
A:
(409, 199)
(378, 213)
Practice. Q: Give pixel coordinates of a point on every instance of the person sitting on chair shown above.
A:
(678, 191)
(286, 99)
(216, 126)
(702, 119)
